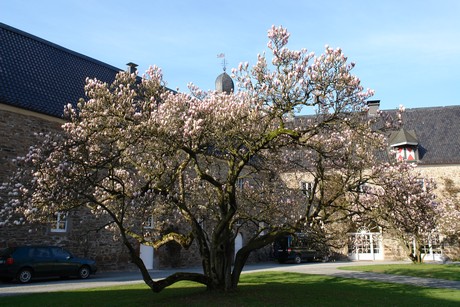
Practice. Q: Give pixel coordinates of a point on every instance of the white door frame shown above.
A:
(365, 245)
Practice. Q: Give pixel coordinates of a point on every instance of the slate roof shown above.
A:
(438, 133)
(436, 130)
(40, 76)
(403, 137)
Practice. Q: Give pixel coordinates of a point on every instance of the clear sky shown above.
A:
(408, 51)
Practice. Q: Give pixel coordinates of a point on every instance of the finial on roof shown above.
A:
(224, 62)
(224, 82)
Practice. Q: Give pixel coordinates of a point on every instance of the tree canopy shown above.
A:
(210, 163)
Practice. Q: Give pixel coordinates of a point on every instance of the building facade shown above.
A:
(38, 78)
(430, 138)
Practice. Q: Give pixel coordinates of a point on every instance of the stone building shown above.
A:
(37, 78)
(430, 138)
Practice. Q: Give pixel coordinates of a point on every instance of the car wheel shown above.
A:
(297, 259)
(84, 272)
(25, 275)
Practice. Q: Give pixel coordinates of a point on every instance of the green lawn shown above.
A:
(257, 289)
(440, 271)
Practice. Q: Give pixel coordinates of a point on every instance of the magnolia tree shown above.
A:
(205, 164)
(402, 202)
(448, 212)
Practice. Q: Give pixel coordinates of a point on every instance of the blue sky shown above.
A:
(407, 51)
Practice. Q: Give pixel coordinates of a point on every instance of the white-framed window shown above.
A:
(59, 222)
(149, 223)
(240, 183)
(306, 187)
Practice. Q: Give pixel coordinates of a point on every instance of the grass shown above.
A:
(444, 271)
(257, 289)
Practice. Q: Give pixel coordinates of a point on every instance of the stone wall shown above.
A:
(439, 173)
(392, 249)
(451, 246)
(85, 235)
(18, 131)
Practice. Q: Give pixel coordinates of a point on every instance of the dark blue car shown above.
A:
(297, 248)
(23, 263)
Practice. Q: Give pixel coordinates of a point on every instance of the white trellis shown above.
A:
(365, 245)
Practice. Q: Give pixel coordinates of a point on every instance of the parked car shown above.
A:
(26, 262)
(297, 248)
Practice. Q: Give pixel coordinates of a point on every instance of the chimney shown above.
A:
(132, 67)
(373, 107)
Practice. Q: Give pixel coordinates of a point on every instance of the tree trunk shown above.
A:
(157, 286)
(221, 261)
(243, 254)
(415, 255)
(240, 261)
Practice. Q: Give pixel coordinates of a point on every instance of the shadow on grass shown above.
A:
(258, 289)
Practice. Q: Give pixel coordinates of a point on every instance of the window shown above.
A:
(422, 183)
(149, 223)
(60, 253)
(41, 252)
(240, 183)
(59, 223)
(432, 248)
(405, 154)
(306, 187)
(404, 143)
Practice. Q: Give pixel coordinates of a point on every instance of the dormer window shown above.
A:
(404, 143)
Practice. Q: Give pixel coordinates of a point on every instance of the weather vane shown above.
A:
(224, 62)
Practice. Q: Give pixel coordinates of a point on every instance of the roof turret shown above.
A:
(224, 83)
